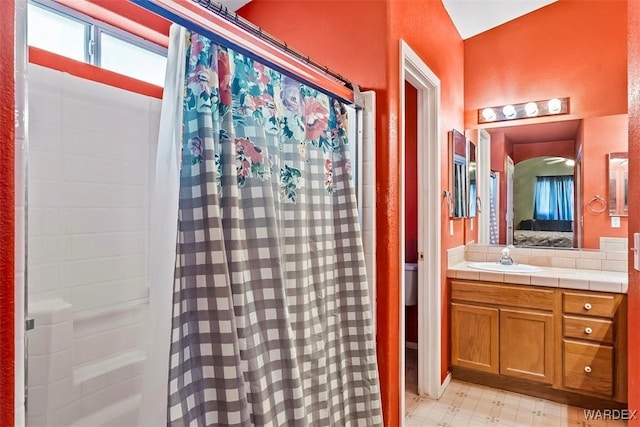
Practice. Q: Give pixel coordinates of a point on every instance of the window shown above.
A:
(63, 31)
(553, 198)
(57, 33)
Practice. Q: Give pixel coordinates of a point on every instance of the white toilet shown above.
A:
(410, 284)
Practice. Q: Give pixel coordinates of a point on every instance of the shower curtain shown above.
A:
(271, 313)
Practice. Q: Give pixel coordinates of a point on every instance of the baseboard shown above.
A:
(444, 384)
(411, 345)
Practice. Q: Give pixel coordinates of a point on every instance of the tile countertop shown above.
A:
(569, 278)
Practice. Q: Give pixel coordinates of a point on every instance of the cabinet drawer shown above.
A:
(588, 328)
(588, 367)
(505, 295)
(600, 305)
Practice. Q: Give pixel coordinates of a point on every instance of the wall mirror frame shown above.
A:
(618, 167)
(459, 177)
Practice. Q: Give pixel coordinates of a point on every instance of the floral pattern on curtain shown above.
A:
(271, 318)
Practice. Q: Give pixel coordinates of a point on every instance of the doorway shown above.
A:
(414, 72)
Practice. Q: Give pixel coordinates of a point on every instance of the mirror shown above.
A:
(473, 187)
(576, 143)
(459, 173)
(618, 184)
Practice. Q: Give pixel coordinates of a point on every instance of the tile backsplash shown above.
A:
(612, 255)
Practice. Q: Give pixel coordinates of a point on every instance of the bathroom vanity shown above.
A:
(562, 344)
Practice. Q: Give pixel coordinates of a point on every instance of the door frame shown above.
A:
(416, 72)
(509, 169)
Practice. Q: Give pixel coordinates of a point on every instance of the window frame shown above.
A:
(93, 29)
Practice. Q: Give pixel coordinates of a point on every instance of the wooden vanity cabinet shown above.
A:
(503, 329)
(557, 343)
(474, 333)
(594, 343)
(526, 344)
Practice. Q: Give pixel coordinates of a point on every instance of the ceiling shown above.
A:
(233, 5)
(473, 17)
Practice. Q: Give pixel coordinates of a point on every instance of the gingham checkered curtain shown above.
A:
(271, 315)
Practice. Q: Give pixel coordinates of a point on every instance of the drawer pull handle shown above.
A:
(587, 306)
(587, 369)
(588, 330)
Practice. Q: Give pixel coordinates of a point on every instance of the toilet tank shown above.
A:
(410, 284)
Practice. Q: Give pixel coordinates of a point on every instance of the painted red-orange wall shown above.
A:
(568, 48)
(601, 136)
(522, 152)
(633, 350)
(7, 214)
(411, 198)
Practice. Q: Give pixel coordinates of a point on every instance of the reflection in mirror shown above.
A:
(458, 150)
(618, 184)
(544, 203)
(473, 193)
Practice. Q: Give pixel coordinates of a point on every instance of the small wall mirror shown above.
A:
(473, 180)
(618, 184)
(459, 174)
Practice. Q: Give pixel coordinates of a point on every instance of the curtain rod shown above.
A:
(240, 35)
(247, 25)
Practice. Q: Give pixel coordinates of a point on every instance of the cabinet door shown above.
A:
(526, 345)
(474, 337)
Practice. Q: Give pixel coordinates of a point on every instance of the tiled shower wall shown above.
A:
(90, 156)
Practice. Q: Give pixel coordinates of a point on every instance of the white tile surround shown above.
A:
(597, 270)
(90, 156)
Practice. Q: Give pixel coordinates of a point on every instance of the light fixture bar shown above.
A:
(524, 110)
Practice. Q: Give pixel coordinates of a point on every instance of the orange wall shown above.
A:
(523, 152)
(7, 216)
(633, 350)
(569, 48)
(411, 198)
(597, 130)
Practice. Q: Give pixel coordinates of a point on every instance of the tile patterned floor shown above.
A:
(470, 405)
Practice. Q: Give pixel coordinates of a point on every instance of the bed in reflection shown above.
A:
(546, 233)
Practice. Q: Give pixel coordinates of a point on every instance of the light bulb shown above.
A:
(554, 105)
(531, 108)
(488, 114)
(509, 111)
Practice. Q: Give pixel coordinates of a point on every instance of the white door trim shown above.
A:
(416, 72)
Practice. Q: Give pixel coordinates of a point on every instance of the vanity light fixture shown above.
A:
(547, 107)
(531, 108)
(488, 114)
(554, 105)
(509, 111)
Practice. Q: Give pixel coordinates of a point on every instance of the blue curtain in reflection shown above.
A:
(553, 198)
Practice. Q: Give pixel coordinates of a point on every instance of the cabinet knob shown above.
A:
(587, 369)
(588, 330)
(587, 306)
